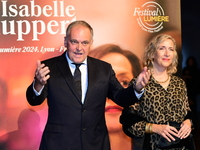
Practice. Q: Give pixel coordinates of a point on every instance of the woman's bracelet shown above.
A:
(148, 128)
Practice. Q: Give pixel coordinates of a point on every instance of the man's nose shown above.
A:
(79, 46)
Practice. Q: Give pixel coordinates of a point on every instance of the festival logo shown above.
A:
(151, 17)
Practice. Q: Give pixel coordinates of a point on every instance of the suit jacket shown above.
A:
(72, 125)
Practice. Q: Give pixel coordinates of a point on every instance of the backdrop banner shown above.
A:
(34, 30)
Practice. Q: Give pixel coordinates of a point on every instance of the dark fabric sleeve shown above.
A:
(128, 118)
(32, 98)
(190, 115)
(127, 97)
(121, 96)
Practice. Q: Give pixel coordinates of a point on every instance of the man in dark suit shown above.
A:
(76, 120)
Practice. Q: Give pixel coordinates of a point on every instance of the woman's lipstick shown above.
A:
(114, 108)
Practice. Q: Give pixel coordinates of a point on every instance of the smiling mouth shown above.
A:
(113, 109)
(166, 59)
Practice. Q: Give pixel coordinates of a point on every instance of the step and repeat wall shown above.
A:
(34, 30)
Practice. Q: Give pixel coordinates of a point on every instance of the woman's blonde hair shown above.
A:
(151, 49)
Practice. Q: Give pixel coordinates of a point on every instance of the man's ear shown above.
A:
(65, 41)
(92, 41)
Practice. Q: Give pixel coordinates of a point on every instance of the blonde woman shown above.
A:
(163, 104)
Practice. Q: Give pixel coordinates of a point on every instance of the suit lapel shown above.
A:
(65, 70)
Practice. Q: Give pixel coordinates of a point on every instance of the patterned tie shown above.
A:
(77, 78)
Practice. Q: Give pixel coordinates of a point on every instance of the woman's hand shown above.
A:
(185, 129)
(165, 131)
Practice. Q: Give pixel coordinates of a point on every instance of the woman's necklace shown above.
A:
(162, 81)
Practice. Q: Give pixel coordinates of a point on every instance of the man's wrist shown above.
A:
(138, 91)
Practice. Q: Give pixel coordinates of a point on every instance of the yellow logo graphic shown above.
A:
(151, 17)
